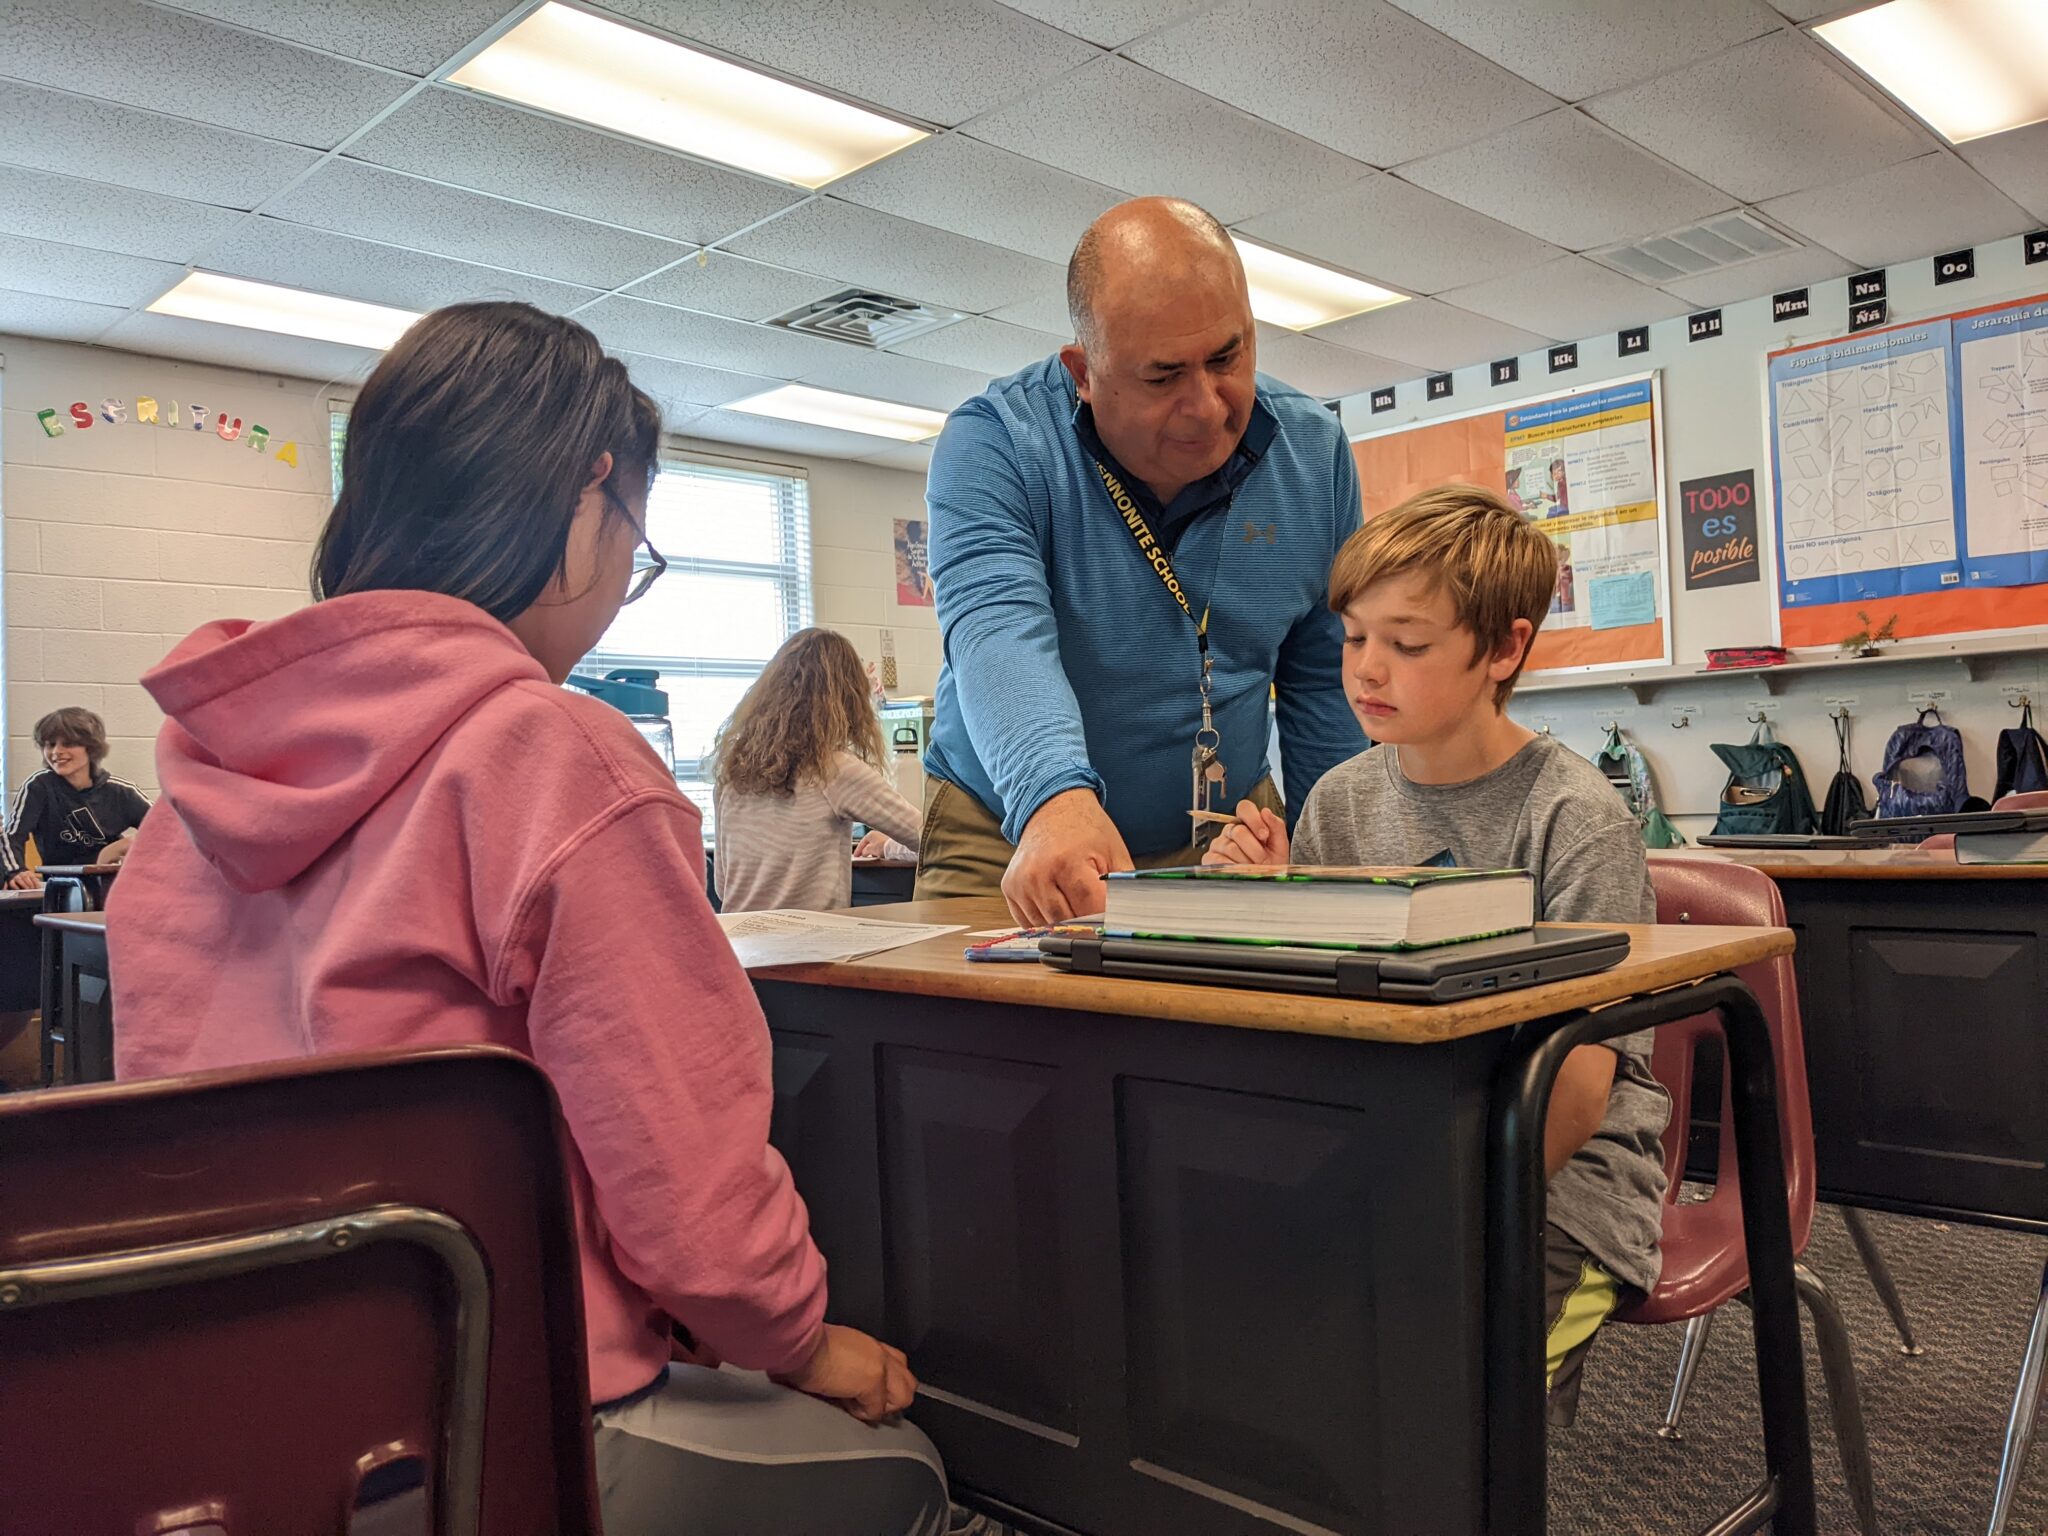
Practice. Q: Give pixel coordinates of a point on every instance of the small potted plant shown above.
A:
(1866, 643)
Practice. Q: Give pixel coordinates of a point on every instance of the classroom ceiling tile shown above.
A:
(887, 376)
(417, 39)
(1569, 181)
(878, 250)
(300, 256)
(38, 314)
(938, 61)
(145, 56)
(1321, 369)
(1129, 128)
(988, 347)
(1771, 117)
(473, 142)
(1812, 10)
(78, 272)
(1925, 206)
(1759, 279)
(1577, 48)
(913, 458)
(1384, 229)
(1567, 299)
(91, 213)
(234, 346)
(47, 130)
(1045, 311)
(1431, 335)
(1112, 23)
(684, 386)
(355, 199)
(1311, 68)
(786, 436)
(709, 341)
(732, 286)
(2016, 162)
(960, 184)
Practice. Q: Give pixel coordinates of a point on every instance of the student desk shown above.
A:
(21, 951)
(78, 1009)
(1921, 988)
(1191, 1260)
(878, 882)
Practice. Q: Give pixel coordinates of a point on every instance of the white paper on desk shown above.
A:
(786, 936)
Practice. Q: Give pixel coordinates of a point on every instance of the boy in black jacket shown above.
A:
(76, 811)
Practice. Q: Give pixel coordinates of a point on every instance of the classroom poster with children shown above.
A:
(913, 564)
(1583, 465)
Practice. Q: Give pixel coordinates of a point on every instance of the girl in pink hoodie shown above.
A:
(392, 826)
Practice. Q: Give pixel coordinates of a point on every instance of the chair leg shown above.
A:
(1845, 1406)
(1880, 1278)
(2019, 1429)
(1689, 1353)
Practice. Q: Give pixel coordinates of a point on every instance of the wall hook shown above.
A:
(1759, 718)
(1611, 727)
(1839, 713)
(1681, 723)
(2021, 702)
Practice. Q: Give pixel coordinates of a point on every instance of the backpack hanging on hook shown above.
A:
(1923, 773)
(2022, 756)
(1766, 791)
(1629, 772)
(1845, 802)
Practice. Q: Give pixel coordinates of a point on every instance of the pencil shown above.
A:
(1219, 818)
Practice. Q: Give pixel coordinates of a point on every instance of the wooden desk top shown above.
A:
(74, 870)
(12, 901)
(1876, 864)
(75, 922)
(860, 863)
(1660, 956)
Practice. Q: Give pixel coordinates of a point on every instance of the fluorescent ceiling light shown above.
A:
(1969, 68)
(574, 64)
(1297, 294)
(846, 413)
(295, 312)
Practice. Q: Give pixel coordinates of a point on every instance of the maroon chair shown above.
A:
(1705, 1261)
(326, 1296)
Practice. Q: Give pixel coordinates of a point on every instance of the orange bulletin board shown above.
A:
(1604, 443)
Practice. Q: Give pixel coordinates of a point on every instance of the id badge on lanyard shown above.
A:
(1207, 776)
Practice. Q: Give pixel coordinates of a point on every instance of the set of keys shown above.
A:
(1209, 780)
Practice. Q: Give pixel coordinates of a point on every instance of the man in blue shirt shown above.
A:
(1109, 529)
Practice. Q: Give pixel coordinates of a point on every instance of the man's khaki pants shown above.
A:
(962, 850)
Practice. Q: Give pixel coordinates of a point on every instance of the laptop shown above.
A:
(1914, 829)
(1796, 839)
(1443, 973)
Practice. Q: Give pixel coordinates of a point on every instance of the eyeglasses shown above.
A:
(649, 573)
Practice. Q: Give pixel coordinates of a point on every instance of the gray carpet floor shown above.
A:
(1936, 1422)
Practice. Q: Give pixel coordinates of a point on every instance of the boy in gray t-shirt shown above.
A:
(1441, 598)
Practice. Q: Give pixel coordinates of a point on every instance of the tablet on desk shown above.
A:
(1442, 973)
(1915, 829)
(1799, 839)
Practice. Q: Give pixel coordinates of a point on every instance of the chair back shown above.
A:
(335, 1295)
(1715, 893)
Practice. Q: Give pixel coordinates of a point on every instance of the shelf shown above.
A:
(1645, 683)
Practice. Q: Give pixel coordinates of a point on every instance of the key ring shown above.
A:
(1214, 742)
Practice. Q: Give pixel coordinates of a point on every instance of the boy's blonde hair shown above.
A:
(1496, 565)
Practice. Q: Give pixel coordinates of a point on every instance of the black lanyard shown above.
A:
(1155, 556)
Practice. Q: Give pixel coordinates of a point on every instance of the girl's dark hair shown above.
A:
(467, 451)
(74, 727)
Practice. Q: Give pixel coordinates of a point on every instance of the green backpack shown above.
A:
(1766, 791)
(1629, 772)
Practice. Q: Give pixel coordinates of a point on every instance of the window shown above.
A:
(738, 545)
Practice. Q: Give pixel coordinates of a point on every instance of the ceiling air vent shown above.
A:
(1727, 240)
(865, 318)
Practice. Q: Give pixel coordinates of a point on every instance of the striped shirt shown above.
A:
(70, 825)
(796, 850)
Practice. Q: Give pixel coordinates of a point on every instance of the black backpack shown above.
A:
(2022, 757)
(1845, 802)
(1766, 791)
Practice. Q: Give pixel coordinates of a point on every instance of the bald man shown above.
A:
(1131, 545)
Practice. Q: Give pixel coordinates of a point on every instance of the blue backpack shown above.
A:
(1923, 773)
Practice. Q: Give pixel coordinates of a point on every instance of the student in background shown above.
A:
(76, 811)
(1441, 597)
(395, 828)
(800, 762)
